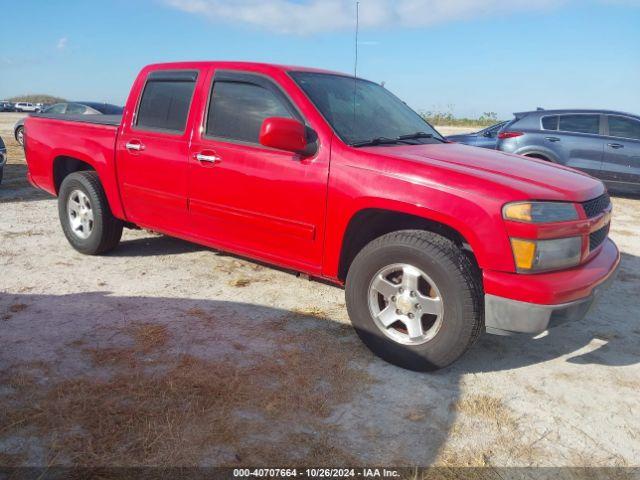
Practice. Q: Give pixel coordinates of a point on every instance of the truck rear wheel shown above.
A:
(414, 299)
(84, 212)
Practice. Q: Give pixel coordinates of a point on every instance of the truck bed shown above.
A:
(52, 140)
(113, 120)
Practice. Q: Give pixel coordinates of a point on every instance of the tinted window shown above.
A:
(359, 110)
(58, 108)
(237, 110)
(165, 104)
(550, 123)
(106, 108)
(76, 109)
(624, 127)
(580, 123)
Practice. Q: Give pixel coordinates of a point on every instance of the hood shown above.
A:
(501, 174)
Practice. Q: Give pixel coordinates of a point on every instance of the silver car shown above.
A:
(602, 143)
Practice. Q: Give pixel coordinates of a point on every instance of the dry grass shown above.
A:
(191, 408)
(241, 282)
(487, 408)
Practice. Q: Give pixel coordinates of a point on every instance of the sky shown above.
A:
(463, 56)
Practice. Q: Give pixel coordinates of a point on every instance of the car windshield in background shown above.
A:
(104, 108)
(374, 117)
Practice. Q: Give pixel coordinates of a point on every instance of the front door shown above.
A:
(251, 199)
(579, 142)
(622, 151)
(153, 153)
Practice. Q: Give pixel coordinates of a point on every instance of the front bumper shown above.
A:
(505, 316)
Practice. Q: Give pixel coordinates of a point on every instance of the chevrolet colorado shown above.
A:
(335, 177)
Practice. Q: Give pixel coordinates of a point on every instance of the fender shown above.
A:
(458, 210)
(540, 150)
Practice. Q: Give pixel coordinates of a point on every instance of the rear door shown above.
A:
(153, 152)
(622, 150)
(579, 141)
(248, 198)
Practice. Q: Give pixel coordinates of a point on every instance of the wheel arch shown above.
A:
(368, 224)
(540, 153)
(65, 162)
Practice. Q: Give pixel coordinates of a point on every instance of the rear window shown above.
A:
(580, 123)
(165, 101)
(550, 123)
(624, 128)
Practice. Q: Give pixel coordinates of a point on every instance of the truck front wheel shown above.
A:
(84, 212)
(414, 299)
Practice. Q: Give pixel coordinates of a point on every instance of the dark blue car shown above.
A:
(487, 138)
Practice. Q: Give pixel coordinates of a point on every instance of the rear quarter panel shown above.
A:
(49, 139)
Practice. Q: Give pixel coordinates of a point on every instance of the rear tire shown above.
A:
(447, 276)
(85, 216)
(20, 136)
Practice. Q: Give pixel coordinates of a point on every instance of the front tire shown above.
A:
(415, 299)
(85, 216)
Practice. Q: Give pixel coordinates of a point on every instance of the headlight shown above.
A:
(543, 255)
(540, 212)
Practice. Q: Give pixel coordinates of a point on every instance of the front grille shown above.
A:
(596, 206)
(596, 238)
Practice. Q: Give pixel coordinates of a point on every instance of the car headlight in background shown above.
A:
(540, 212)
(544, 255)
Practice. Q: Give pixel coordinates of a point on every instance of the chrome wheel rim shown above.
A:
(21, 136)
(405, 304)
(80, 214)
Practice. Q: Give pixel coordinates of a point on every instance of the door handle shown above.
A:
(210, 158)
(616, 145)
(134, 145)
(552, 139)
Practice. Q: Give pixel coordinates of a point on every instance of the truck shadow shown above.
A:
(208, 382)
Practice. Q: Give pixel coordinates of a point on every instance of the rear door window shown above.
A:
(238, 109)
(550, 123)
(166, 100)
(580, 124)
(624, 127)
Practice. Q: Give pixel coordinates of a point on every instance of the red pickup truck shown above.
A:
(335, 177)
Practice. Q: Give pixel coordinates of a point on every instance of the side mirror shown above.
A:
(489, 134)
(284, 134)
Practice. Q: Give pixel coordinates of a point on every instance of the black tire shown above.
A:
(107, 229)
(457, 279)
(1, 174)
(18, 130)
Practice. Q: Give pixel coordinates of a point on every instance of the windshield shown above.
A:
(374, 113)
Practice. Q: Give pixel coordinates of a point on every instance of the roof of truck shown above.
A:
(257, 66)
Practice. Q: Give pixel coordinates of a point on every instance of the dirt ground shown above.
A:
(168, 353)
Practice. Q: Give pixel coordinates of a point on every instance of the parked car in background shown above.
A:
(3, 158)
(487, 138)
(7, 107)
(70, 108)
(25, 107)
(603, 143)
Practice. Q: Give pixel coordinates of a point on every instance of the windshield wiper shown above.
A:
(416, 135)
(377, 141)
